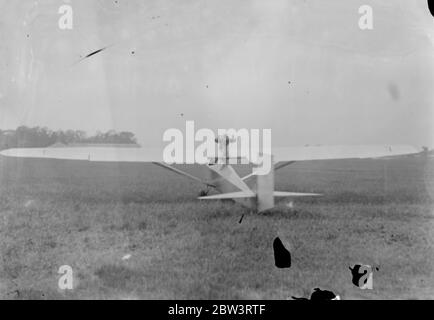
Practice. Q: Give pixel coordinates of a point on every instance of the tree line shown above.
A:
(38, 137)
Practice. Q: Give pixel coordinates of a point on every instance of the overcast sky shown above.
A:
(300, 67)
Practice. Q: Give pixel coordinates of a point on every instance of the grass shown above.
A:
(90, 215)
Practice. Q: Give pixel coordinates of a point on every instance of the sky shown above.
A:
(302, 68)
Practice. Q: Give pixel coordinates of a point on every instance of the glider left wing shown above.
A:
(103, 154)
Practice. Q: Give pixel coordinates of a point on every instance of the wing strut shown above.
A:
(182, 173)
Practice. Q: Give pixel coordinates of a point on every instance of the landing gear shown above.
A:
(204, 193)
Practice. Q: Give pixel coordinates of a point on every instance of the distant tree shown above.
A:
(127, 137)
(25, 136)
(81, 135)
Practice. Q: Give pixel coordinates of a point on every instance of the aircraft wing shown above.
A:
(307, 153)
(287, 154)
(104, 154)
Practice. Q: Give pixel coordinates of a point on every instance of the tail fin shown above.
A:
(265, 189)
(260, 197)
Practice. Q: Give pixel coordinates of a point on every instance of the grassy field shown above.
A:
(90, 215)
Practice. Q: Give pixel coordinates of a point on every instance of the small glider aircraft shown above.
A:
(222, 176)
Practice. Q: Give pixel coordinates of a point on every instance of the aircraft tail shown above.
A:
(229, 195)
(265, 193)
(260, 197)
(265, 190)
